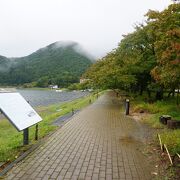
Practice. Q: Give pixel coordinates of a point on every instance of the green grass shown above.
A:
(172, 139)
(161, 107)
(154, 110)
(11, 139)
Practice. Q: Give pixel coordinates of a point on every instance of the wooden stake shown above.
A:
(178, 155)
(160, 142)
(169, 156)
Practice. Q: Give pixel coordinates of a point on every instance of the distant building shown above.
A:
(53, 86)
(83, 80)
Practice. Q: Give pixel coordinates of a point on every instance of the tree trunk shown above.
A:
(177, 99)
(171, 92)
(159, 94)
(149, 93)
(141, 91)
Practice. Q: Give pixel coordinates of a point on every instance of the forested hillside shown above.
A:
(4, 63)
(147, 59)
(60, 63)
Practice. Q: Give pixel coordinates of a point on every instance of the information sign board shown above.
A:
(18, 111)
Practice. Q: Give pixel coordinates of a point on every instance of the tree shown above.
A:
(148, 58)
(167, 46)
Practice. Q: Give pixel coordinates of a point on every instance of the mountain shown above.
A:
(59, 63)
(4, 63)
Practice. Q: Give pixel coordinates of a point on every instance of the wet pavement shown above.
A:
(100, 142)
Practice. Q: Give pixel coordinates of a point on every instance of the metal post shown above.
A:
(89, 101)
(36, 132)
(26, 136)
(72, 111)
(127, 106)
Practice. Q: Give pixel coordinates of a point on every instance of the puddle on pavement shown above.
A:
(129, 140)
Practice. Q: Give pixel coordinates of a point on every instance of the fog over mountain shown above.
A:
(75, 46)
(61, 63)
(98, 25)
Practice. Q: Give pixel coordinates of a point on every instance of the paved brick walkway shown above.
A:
(98, 143)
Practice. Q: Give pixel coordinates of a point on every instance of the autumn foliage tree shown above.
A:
(146, 59)
(167, 23)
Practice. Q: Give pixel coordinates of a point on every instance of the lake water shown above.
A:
(44, 98)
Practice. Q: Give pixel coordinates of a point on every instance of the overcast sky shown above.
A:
(98, 25)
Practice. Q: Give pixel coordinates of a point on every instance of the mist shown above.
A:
(98, 26)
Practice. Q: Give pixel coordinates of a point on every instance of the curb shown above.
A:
(25, 154)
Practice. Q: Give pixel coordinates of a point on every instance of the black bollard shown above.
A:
(127, 106)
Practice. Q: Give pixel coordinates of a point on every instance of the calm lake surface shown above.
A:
(44, 98)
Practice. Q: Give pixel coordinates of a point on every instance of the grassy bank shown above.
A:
(11, 139)
(153, 111)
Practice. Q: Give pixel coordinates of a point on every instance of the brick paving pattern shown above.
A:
(98, 143)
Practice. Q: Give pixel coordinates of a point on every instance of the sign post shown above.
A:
(36, 132)
(19, 113)
(26, 136)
